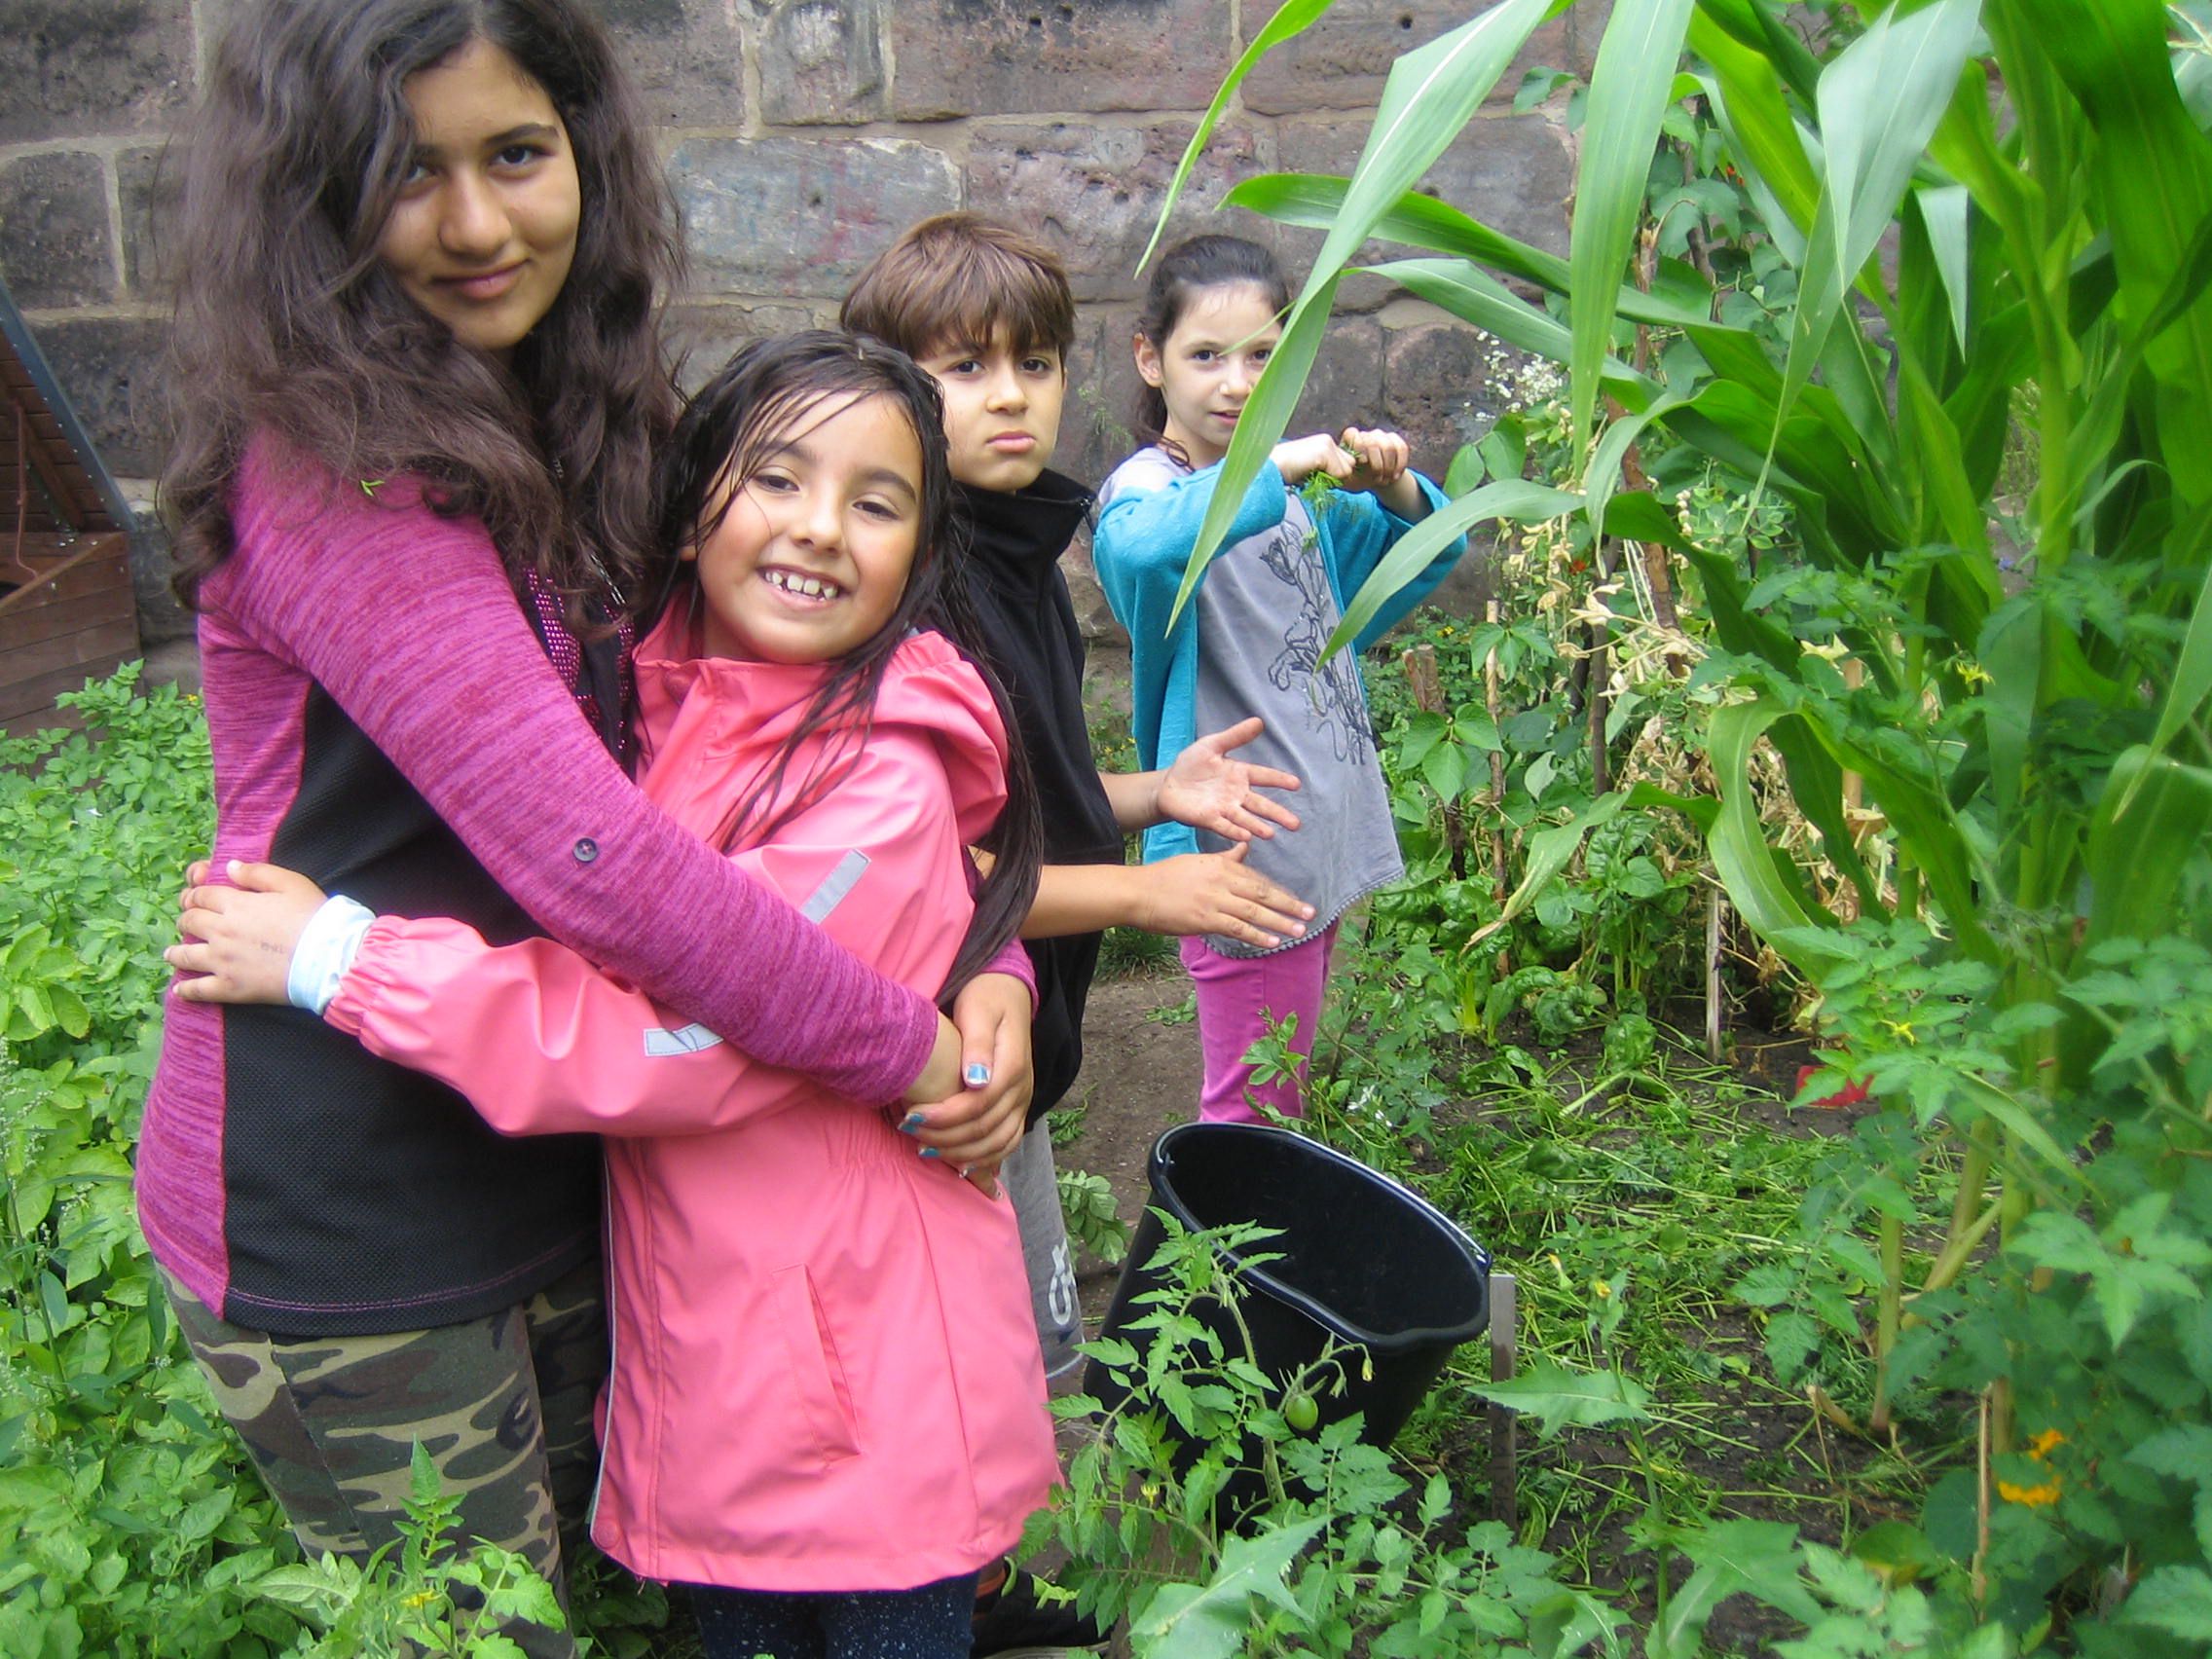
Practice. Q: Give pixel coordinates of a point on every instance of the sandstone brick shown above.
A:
(1435, 387)
(1093, 616)
(1569, 42)
(1342, 389)
(1095, 192)
(153, 561)
(1344, 58)
(821, 60)
(1094, 417)
(150, 185)
(701, 338)
(685, 56)
(80, 67)
(962, 57)
(112, 373)
(54, 244)
(799, 218)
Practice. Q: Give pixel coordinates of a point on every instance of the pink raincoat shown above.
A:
(825, 1371)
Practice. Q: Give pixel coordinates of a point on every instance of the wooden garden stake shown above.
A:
(1978, 1576)
(1714, 909)
(1495, 703)
(1504, 1429)
(1427, 687)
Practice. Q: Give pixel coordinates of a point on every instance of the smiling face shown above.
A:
(1002, 409)
(485, 228)
(1206, 367)
(810, 559)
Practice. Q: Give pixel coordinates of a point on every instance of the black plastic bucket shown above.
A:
(1360, 1258)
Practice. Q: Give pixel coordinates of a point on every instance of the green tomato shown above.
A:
(1300, 1410)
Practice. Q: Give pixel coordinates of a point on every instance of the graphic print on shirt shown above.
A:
(1334, 706)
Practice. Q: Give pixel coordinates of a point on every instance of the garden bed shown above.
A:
(1687, 1190)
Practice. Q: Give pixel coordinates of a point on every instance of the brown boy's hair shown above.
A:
(961, 280)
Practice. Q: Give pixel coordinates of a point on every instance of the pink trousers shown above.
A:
(1240, 997)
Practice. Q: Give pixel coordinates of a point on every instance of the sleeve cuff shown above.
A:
(326, 949)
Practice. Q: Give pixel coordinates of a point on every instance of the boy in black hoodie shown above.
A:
(988, 312)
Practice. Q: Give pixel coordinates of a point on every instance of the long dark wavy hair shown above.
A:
(1182, 272)
(288, 320)
(768, 394)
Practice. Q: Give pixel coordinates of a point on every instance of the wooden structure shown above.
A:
(67, 611)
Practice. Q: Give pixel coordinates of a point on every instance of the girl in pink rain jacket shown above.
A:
(825, 1373)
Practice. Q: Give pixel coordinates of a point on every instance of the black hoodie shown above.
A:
(1034, 647)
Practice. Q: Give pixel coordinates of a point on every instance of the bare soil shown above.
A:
(1140, 1078)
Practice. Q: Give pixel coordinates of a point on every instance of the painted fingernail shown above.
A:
(913, 1122)
(978, 1074)
(931, 1151)
(233, 869)
(965, 1171)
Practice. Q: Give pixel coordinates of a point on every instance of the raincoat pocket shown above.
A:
(818, 1380)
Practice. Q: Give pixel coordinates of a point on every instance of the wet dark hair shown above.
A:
(961, 280)
(288, 322)
(768, 394)
(1183, 271)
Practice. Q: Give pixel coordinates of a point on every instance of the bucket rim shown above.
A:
(1160, 1166)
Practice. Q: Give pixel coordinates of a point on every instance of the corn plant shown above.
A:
(1989, 413)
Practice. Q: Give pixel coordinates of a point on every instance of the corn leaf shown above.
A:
(1880, 102)
(2155, 811)
(1513, 499)
(2192, 673)
(1748, 101)
(2151, 170)
(1740, 857)
(1629, 88)
(1756, 25)
(1312, 200)
(1943, 214)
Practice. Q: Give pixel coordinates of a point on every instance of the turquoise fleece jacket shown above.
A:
(1143, 542)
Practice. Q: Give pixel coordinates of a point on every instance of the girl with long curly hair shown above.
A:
(422, 243)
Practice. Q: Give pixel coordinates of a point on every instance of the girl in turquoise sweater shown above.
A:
(1250, 644)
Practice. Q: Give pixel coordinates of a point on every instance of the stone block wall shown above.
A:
(800, 135)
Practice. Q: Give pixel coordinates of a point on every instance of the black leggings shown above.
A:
(932, 1622)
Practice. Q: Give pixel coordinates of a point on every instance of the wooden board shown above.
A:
(39, 577)
(72, 617)
(29, 707)
(56, 465)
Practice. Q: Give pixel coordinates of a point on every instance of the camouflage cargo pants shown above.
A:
(502, 1404)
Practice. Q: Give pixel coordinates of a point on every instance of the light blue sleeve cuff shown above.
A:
(327, 947)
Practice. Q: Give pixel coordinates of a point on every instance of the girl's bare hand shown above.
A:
(1381, 459)
(238, 940)
(1299, 458)
(979, 1124)
(1208, 791)
(1214, 893)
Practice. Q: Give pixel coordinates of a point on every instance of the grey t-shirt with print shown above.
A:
(1264, 610)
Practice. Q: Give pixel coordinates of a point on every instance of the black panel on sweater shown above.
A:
(364, 1198)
